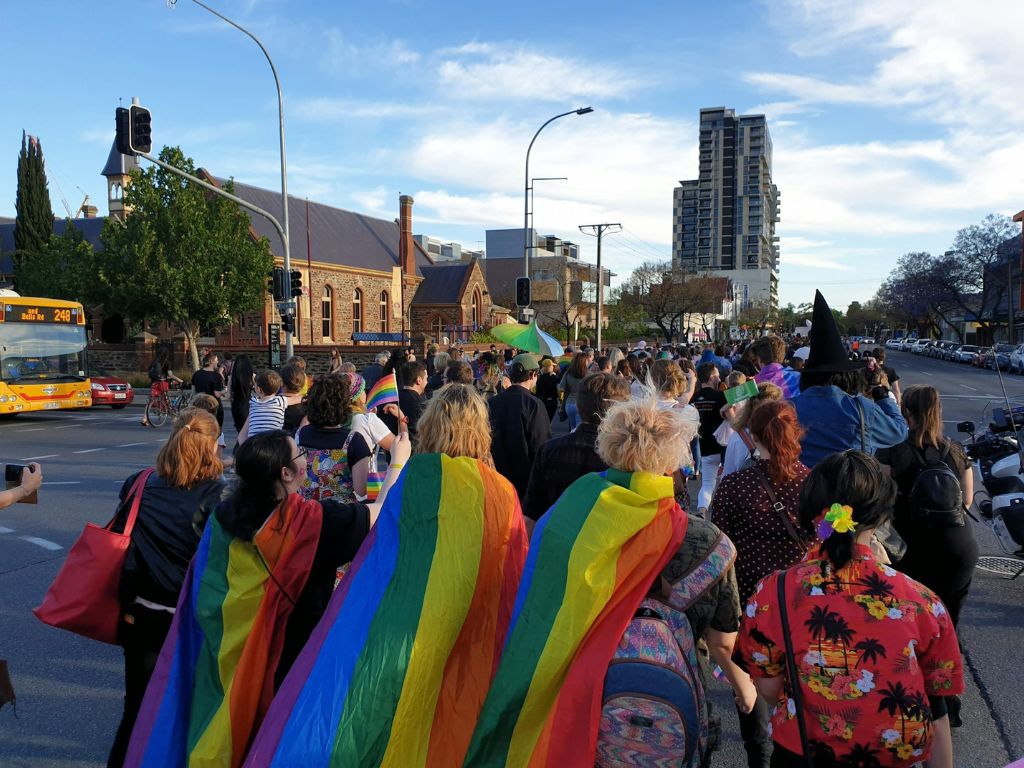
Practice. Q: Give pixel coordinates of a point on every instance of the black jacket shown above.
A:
(519, 427)
(165, 537)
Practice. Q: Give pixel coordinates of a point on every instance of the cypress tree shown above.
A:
(33, 224)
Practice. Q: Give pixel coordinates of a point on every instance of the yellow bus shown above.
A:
(43, 362)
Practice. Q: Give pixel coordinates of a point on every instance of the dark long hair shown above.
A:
(258, 465)
(241, 379)
(852, 478)
(851, 382)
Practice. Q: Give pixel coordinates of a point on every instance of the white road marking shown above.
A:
(63, 482)
(6, 530)
(44, 543)
(69, 426)
(129, 445)
(973, 389)
(926, 373)
(37, 458)
(34, 429)
(89, 450)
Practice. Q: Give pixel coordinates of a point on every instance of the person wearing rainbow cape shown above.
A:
(257, 586)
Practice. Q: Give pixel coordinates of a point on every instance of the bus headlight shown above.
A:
(3, 398)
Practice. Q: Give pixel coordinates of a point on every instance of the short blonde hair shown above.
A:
(736, 378)
(668, 378)
(456, 422)
(638, 436)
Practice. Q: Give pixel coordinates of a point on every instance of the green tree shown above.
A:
(182, 255)
(33, 224)
(64, 269)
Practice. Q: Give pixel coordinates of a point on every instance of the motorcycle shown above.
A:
(997, 456)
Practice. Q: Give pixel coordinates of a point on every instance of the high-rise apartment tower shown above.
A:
(724, 221)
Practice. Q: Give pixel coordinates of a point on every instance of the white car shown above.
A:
(1017, 360)
(920, 346)
(966, 353)
(867, 340)
(892, 344)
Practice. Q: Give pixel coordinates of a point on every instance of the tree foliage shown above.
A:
(181, 255)
(668, 300)
(65, 269)
(33, 224)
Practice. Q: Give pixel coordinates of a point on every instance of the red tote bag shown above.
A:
(84, 597)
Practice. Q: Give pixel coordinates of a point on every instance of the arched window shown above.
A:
(478, 312)
(437, 328)
(327, 312)
(115, 192)
(384, 311)
(357, 311)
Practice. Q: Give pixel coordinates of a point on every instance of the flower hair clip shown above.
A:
(836, 519)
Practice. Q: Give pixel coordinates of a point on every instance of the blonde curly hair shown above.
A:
(638, 436)
(456, 422)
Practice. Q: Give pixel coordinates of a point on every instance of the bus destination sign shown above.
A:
(17, 313)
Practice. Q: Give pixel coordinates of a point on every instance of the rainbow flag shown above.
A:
(384, 391)
(593, 558)
(398, 669)
(214, 680)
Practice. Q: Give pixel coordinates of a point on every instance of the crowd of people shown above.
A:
(383, 585)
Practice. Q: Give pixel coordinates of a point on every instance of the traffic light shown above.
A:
(142, 129)
(287, 323)
(275, 286)
(134, 130)
(522, 291)
(296, 283)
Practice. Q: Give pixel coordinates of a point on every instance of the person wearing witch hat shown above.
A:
(833, 408)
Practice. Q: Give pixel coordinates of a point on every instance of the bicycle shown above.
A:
(163, 405)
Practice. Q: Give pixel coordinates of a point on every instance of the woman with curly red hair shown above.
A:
(758, 509)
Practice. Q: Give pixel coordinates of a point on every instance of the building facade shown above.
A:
(438, 250)
(724, 220)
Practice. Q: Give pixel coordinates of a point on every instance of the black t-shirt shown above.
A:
(293, 416)
(709, 403)
(207, 382)
(320, 438)
(344, 528)
(890, 372)
(412, 404)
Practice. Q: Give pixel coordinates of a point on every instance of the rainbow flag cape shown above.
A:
(214, 680)
(398, 668)
(384, 391)
(593, 558)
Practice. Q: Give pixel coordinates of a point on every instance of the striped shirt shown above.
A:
(265, 415)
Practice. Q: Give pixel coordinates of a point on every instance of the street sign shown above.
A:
(274, 344)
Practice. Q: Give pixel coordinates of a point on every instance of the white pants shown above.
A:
(708, 479)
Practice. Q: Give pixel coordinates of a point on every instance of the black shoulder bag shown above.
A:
(792, 673)
(780, 509)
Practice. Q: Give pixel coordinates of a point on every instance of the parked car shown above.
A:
(1000, 356)
(950, 352)
(920, 346)
(867, 340)
(937, 349)
(893, 344)
(982, 358)
(110, 390)
(966, 353)
(1017, 360)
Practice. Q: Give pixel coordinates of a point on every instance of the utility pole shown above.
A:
(598, 230)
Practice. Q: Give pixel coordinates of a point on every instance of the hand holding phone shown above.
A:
(29, 477)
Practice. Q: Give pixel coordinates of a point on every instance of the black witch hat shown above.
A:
(828, 355)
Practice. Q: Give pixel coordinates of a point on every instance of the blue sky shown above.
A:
(894, 122)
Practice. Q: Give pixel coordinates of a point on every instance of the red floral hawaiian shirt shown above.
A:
(871, 646)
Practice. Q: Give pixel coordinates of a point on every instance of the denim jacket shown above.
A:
(832, 423)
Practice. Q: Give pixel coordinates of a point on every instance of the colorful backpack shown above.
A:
(655, 712)
(328, 475)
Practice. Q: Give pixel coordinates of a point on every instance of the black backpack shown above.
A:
(936, 498)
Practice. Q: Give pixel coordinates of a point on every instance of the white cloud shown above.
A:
(489, 71)
(333, 110)
(346, 58)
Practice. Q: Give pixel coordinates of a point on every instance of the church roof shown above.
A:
(443, 283)
(118, 164)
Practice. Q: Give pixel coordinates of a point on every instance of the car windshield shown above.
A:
(30, 352)
(1005, 348)
(969, 348)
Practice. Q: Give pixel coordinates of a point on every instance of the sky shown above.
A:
(894, 122)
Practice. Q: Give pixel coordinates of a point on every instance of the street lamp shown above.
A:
(289, 348)
(526, 185)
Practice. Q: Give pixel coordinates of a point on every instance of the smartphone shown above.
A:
(12, 475)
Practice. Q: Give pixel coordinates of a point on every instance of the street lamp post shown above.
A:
(286, 237)
(526, 185)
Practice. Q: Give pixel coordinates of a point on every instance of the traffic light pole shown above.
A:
(283, 229)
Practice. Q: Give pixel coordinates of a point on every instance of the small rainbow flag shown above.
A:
(229, 628)
(384, 391)
(593, 558)
(398, 668)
